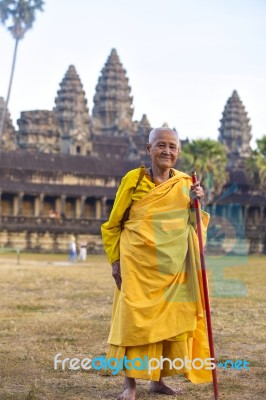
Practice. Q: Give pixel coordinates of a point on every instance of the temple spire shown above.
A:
(235, 130)
(72, 114)
(143, 127)
(112, 111)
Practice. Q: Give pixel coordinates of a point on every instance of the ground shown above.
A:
(48, 306)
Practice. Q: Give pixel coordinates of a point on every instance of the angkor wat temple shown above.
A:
(60, 170)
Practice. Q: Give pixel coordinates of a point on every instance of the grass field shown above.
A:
(48, 306)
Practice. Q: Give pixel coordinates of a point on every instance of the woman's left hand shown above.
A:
(196, 191)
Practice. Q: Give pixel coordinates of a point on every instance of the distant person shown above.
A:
(52, 214)
(83, 251)
(72, 250)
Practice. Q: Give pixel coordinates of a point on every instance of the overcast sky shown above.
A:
(183, 58)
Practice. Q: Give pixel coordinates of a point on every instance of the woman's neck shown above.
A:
(159, 174)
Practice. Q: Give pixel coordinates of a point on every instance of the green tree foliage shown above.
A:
(19, 15)
(208, 158)
(256, 164)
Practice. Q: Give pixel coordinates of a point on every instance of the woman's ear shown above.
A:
(148, 147)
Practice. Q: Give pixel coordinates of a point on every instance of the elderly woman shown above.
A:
(151, 243)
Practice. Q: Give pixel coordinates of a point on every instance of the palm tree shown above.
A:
(256, 164)
(21, 14)
(208, 158)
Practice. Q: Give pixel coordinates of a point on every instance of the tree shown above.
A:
(208, 158)
(256, 164)
(21, 15)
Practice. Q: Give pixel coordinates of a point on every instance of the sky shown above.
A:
(183, 58)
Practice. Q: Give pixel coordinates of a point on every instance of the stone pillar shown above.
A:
(77, 208)
(82, 202)
(261, 214)
(98, 209)
(41, 203)
(246, 209)
(103, 205)
(20, 201)
(240, 213)
(15, 206)
(18, 204)
(38, 205)
(230, 212)
(63, 203)
(224, 211)
(58, 205)
(255, 212)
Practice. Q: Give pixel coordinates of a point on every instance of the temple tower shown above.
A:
(113, 111)
(72, 115)
(141, 137)
(8, 140)
(144, 126)
(235, 131)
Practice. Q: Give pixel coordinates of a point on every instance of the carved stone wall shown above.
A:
(38, 131)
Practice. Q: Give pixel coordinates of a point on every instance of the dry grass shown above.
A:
(49, 307)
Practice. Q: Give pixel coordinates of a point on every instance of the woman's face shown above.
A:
(164, 150)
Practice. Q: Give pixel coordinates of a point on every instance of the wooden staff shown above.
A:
(205, 288)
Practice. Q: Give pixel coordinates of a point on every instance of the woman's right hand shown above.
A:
(117, 273)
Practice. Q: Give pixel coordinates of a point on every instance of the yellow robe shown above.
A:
(159, 310)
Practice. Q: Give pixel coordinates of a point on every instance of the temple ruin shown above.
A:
(60, 170)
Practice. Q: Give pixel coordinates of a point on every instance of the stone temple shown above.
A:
(60, 170)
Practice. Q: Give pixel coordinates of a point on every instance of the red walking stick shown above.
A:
(205, 288)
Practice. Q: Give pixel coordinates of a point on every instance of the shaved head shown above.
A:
(156, 131)
(163, 148)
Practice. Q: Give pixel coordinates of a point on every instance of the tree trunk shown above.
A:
(2, 122)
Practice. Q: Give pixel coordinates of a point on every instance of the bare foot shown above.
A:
(161, 387)
(130, 390)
